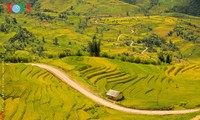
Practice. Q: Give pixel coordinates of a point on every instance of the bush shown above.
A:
(123, 57)
(62, 55)
(105, 55)
(130, 59)
(50, 56)
(145, 61)
(78, 53)
(137, 60)
(82, 67)
(186, 34)
(18, 59)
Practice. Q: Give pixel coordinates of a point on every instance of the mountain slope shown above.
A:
(120, 7)
(117, 7)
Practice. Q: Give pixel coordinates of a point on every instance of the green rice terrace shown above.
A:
(147, 49)
(32, 91)
(143, 86)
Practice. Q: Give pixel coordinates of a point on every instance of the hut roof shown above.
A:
(113, 93)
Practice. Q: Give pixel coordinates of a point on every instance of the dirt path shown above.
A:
(144, 50)
(118, 38)
(132, 43)
(59, 74)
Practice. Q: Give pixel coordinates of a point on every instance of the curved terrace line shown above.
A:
(59, 74)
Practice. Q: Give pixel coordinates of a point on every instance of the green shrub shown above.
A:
(82, 67)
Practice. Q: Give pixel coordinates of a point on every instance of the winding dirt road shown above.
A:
(59, 74)
(118, 38)
(144, 50)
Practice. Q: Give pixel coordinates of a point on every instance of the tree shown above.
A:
(7, 19)
(37, 5)
(55, 41)
(153, 3)
(137, 60)
(170, 43)
(1, 8)
(169, 59)
(161, 57)
(40, 50)
(170, 33)
(127, 13)
(130, 1)
(14, 21)
(43, 39)
(72, 8)
(94, 47)
(146, 13)
(2, 28)
(79, 53)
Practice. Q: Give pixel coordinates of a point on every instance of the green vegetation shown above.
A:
(147, 49)
(167, 59)
(94, 47)
(34, 93)
(186, 34)
(121, 38)
(191, 8)
(151, 85)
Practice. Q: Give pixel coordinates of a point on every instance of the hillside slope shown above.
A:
(119, 7)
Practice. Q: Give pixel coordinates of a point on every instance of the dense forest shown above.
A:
(190, 7)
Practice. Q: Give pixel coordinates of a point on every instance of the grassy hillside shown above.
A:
(33, 93)
(121, 29)
(177, 36)
(143, 86)
(120, 7)
(149, 50)
(152, 7)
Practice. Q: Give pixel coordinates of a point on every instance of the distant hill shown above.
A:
(193, 8)
(117, 7)
(190, 7)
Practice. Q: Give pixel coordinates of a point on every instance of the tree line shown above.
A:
(185, 33)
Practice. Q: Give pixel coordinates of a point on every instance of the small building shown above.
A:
(114, 95)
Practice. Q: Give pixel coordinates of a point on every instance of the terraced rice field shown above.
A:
(145, 86)
(105, 78)
(183, 70)
(33, 93)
